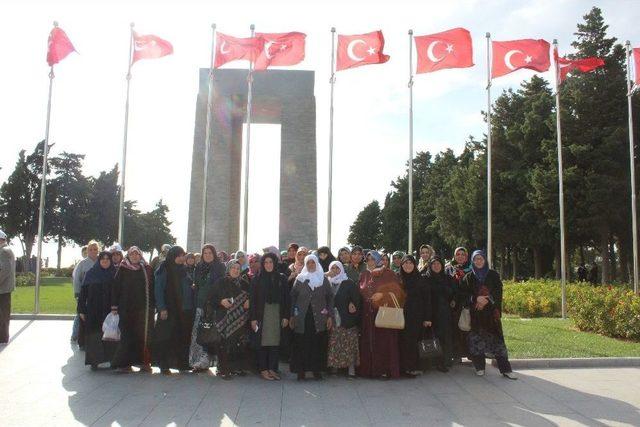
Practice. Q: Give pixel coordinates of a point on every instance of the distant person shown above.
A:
(593, 274)
(344, 256)
(77, 333)
(426, 253)
(356, 265)
(396, 261)
(7, 285)
(164, 250)
(116, 254)
(94, 305)
(292, 249)
(325, 257)
(581, 272)
(83, 252)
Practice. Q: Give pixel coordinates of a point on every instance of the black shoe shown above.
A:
(442, 369)
(407, 375)
(94, 367)
(317, 376)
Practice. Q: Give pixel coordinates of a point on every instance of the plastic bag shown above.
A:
(110, 330)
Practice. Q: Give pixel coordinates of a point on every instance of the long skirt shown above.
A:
(173, 340)
(198, 357)
(96, 350)
(483, 342)
(343, 348)
(309, 350)
(379, 354)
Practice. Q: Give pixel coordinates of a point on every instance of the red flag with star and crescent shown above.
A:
(509, 56)
(280, 49)
(636, 63)
(448, 49)
(59, 46)
(565, 66)
(229, 48)
(149, 47)
(360, 49)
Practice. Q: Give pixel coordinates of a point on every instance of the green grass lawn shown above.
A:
(551, 337)
(56, 297)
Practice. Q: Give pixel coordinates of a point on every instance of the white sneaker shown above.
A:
(480, 372)
(510, 375)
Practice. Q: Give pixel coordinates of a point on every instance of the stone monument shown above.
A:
(278, 96)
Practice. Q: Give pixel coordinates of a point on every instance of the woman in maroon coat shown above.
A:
(379, 354)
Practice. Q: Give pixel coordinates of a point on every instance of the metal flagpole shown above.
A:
(563, 257)
(410, 238)
(634, 219)
(332, 81)
(207, 138)
(489, 211)
(124, 146)
(43, 191)
(247, 150)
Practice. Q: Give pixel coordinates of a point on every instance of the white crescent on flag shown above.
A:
(350, 48)
(222, 48)
(507, 58)
(430, 54)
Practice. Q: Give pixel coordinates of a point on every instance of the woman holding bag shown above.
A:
(442, 289)
(417, 315)
(483, 288)
(379, 355)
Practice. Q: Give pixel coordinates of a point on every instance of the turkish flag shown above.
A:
(636, 63)
(150, 47)
(448, 49)
(229, 48)
(360, 49)
(280, 49)
(513, 55)
(565, 66)
(59, 46)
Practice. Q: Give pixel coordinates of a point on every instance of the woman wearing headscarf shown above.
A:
(132, 298)
(417, 315)
(94, 304)
(207, 272)
(269, 314)
(223, 257)
(483, 288)
(356, 264)
(311, 318)
(325, 257)
(386, 261)
(457, 268)
(426, 253)
(116, 254)
(228, 301)
(298, 264)
(254, 266)
(174, 304)
(190, 266)
(241, 257)
(396, 261)
(344, 256)
(379, 356)
(343, 351)
(443, 290)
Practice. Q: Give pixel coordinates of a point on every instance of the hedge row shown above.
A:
(609, 310)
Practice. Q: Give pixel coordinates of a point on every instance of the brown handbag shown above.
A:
(390, 317)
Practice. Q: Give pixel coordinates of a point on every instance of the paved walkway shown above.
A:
(43, 382)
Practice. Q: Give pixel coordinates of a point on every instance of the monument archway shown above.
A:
(282, 97)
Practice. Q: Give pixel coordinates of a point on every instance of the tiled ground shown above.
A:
(43, 382)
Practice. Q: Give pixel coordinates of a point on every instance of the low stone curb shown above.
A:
(578, 362)
(31, 316)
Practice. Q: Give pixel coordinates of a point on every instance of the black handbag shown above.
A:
(208, 335)
(429, 347)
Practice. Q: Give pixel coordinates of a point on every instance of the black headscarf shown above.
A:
(270, 280)
(97, 274)
(204, 268)
(440, 277)
(175, 274)
(328, 260)
(412, 279)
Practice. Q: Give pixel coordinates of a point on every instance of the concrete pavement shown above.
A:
(43, 381)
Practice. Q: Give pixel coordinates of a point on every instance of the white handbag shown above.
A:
(390, 317)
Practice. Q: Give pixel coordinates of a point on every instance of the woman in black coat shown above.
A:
(94, 304)
(268, 314)
(443, 289)
(343, 351)
(417, 315)
(483, 288)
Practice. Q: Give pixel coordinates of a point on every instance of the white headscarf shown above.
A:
(315, 278)
(340, 277)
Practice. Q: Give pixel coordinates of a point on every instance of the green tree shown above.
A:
(366, 229)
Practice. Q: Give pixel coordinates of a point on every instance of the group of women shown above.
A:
(310, 309)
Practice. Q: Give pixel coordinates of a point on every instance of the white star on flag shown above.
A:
(528, 59)
(449, 48)
(371, 51)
